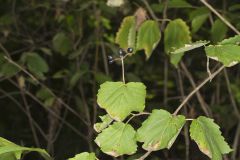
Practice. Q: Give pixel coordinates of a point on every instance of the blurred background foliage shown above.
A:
(53, 57)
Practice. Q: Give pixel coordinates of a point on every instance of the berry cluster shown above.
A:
(121, 53)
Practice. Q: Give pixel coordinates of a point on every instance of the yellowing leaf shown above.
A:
(126, 34)
(117, 139)
(160, 130)
(120, 99)
(208, 138)
(148, 37)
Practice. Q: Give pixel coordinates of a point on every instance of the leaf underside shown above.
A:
(120, 99)
(160, 130)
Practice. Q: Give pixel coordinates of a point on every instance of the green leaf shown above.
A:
(218, 31)
(7, 147)
(120, 99)
(148, 37)
(36, 63)
(228, 54)
(160, 130)
(191, 46)
(176, 35)
(198, 17)
(158, 7)
(62, 43)
(118, 139)
(126, 34)
(232, 40)
(106, 120)
(84, 156)
(7, 69)
(208, 138)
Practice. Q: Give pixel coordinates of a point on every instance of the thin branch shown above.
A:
(49, 90)
(203, 104)
(123, 71)
(145, 155)
(197, 88)
(221, 17)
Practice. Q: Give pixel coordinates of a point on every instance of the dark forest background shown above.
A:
(64, 44)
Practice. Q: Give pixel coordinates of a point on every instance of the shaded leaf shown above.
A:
(148, 37)
(106, 120)
(118, 139)
(208, 138)
(62, 43)
(176, 35)
(126, 34)
(84, 156)
(191, 46)
(198, 18)
(218, 31)
(8, 69)
(160, 130)
(227, 54)
(35, 63)
(120, 99)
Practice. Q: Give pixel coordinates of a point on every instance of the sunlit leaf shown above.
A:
(232, 40)
(84, 156)
(120, 99)
(208, 138)
(228, 54)
(160, 130)
(115, 3)
(191, 46)
(106, 120)
(148, 37)
(126, 34)
(7, 147)
(118, 139)
(176, 35)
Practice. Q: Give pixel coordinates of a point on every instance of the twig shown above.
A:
(220, 16)
(123, 71)
(196, 89)
(43, 85)
(203, 104)
(145, 155)
(234, 104)
(135, 115)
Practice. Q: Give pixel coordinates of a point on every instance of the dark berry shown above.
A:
(121, 52)
(110, 61)
(130, 50)
(110, 58)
